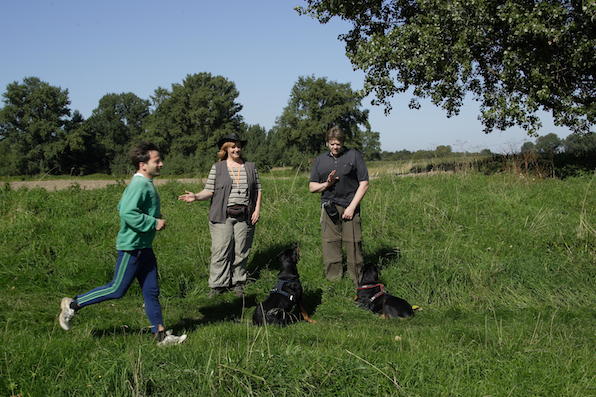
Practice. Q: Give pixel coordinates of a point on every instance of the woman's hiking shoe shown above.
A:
(66, 314)
(238, 289)
(216, 291)
(166, 338)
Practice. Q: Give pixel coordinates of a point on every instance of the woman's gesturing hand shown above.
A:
(189, 197)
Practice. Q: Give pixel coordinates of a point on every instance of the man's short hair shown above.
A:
(335, 132)
(140, 153)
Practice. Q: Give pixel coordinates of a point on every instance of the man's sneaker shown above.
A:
(170, 339)
(66, 313)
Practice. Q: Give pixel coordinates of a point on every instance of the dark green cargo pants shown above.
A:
(346, 233)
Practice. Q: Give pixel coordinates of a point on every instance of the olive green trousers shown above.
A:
(346, 233)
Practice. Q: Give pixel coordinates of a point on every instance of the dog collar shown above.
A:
(378, 294)
(369, 286)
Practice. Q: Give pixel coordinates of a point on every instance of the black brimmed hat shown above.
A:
(233, 137)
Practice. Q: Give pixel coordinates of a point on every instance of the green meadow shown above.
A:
(503, 267)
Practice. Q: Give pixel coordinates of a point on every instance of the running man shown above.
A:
(140, 218)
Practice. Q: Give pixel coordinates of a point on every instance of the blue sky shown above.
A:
(97, 47)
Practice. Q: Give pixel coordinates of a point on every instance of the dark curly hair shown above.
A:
(140, 153)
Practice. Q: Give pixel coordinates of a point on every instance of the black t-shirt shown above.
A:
(351, 170)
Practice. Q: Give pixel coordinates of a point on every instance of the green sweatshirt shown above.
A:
(139, 209)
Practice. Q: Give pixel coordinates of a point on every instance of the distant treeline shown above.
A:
(547, 146)
(39, 133)
(547, 156)
(550, 155)
(441, 151)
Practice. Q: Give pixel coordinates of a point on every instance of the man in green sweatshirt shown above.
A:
(140, 218)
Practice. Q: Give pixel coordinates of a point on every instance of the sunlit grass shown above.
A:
(502, 266)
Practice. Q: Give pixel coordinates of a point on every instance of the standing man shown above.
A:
(342, 178)
(140, 218)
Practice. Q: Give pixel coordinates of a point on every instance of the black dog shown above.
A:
(279, 307)
(371, 295)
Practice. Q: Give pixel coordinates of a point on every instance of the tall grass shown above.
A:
(502, 266)
(455, 163)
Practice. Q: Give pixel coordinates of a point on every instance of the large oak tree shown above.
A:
(516, 57)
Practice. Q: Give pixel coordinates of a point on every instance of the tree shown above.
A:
(371, 145)
(117, 121)
(548, 144)
(515, 57)
(403, 154)
(528, 147)
(32, 125)
(316, 104)
(443, 150)
(82, 153)
(190, 118)
(580, 144)
(258, 146)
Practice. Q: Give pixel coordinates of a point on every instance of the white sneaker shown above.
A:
(66, 314)
(172, 339)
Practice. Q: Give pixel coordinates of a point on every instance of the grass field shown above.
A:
(406, 167)
(502, 266)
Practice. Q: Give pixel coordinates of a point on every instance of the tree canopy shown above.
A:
(118, 120)
(32, 126)
(316, 104)
(258, 147)
(38, 135)
(579, 145)
(193, 115)
(528, 147)
(548, 144)
(516, 57)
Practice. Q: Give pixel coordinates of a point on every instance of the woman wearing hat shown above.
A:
(235, 191)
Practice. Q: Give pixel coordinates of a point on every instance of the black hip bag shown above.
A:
(237, 211)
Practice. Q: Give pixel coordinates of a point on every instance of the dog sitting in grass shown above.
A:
(371, 295)
(283, 306)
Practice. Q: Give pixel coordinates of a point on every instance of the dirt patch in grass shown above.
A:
(89, 184)
(60, 184)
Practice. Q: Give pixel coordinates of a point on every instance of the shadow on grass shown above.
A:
(383, 256)
(120, 330)
(215, 313)
(234, 310)
(311, 300)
